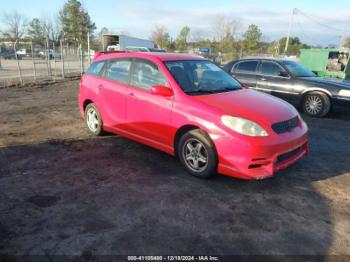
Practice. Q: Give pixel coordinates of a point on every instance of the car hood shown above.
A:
(326, 82)
(253, 105)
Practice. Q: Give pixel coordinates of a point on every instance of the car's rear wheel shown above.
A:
(197, 154)
(316, 104)
(93, 120)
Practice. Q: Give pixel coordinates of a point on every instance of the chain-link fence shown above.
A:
(29, 62)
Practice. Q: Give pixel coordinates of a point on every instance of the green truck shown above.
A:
(327, 62)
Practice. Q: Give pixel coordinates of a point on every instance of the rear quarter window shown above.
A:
(248, 67)
(118, 70)
(96, 68)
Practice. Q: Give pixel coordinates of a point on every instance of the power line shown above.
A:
(314, 19)
(311, 39)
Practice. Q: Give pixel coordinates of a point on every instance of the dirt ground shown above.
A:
(63, 192)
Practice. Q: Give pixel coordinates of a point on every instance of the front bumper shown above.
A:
(341, 101)
(255, 158)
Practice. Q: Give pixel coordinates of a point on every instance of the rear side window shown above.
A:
(271, 69)
(146, 74)
(118, 70)
(95, 68)
(246, 67)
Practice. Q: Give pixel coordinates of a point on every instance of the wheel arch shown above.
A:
(186, 128)
(86, 103)
(316, 89)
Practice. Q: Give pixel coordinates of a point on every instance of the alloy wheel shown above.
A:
(92, 119)
(195, 155)
(313, 105)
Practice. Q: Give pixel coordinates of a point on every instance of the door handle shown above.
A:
(99, 88)
(131, 94)
(263, 79)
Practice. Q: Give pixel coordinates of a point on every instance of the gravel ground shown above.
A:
(63, 192)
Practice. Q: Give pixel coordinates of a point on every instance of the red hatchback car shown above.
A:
(189, 107)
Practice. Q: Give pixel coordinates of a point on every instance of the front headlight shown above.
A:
(344, 92)
(243, 126)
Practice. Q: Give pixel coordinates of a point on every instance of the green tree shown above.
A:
(347, 42)
(227, 43)
(294, 46)
(181, 41)
(76, 22)
(35, 31)
(251, 39)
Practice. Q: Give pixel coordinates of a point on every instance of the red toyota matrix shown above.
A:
(188, 107)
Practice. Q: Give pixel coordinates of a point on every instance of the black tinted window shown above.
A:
(118, 70)
(246, 67)
(95, 68)
(146, 74)
(271, 69)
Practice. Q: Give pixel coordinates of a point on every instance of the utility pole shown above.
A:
(88, 43)
(294, 12)
(340, 41)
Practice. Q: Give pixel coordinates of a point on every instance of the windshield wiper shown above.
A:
(224, 90)
(212, 91)
(199, 91)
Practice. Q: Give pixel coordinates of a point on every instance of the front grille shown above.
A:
(285, 126)
(288, 155)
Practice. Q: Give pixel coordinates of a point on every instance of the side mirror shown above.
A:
(161, 91)
(244, 86)
(283, 74)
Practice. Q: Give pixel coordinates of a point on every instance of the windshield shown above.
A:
(298, 70)
(200, 76)
(157, 50)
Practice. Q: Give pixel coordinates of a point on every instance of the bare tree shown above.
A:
(161, 37)
(224, 26)
(346, 42)
(198, 35)
(52, 27)
(14, 26)
(224, 30)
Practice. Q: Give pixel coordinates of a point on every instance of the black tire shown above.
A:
(206, 150)
(91, 112)
(316, 104)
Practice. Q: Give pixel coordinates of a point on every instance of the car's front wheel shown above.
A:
(197, 154)
(93, 120)
(316, 104)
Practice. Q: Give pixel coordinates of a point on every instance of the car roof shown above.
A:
(157, 55)
(262, 58)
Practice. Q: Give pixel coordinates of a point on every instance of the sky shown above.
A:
(316, 22)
